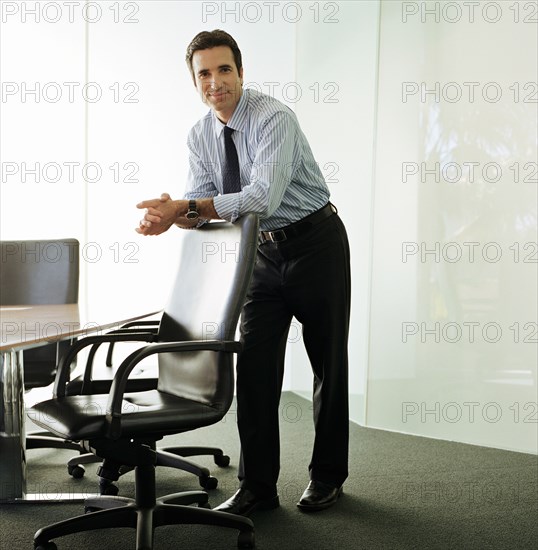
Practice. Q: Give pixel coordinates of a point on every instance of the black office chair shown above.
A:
(173, 457)
(195, 389)
(35, 272)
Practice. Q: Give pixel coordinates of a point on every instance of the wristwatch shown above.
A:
(192, 212)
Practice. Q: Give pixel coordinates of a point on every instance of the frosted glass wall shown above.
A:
(336, 68)
(453, 329)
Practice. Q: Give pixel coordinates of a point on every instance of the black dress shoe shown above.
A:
(318, 496)
(244, 502)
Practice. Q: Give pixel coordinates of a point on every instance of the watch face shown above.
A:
(191, 215)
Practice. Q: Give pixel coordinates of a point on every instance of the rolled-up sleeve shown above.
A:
(201, 177)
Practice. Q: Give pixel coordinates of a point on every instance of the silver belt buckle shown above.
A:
(277, 236)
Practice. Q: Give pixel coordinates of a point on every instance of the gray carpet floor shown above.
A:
(403, 492)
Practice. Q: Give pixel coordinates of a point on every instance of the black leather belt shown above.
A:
(298, 228)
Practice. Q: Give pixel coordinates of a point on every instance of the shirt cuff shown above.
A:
(227, 206)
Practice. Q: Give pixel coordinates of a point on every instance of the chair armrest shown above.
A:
(155, 328)
(140, 324)
(134, 385)
(62, 376)
(117, 390)
(88, 369)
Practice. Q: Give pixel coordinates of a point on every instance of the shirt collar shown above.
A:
(238, 118)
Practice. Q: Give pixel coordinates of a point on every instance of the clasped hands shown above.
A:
(161, 214)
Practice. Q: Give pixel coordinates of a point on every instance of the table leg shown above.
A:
(13, 487)
(12, 435)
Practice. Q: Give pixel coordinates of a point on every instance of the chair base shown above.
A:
(42, 441)
(145, 520)
(173, 457)
(145, 514)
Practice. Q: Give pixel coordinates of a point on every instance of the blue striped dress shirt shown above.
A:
(280, 180)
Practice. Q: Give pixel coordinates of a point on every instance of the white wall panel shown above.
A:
(146, 125)
(42, 115)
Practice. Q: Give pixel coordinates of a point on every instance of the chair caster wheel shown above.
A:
(46, 546)
(76, 471)
(246, 539)
(209, 482)
(223, 461)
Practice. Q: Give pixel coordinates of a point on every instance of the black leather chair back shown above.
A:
(205, 304)
(39, 272)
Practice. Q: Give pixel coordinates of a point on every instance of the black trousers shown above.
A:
(308, 277)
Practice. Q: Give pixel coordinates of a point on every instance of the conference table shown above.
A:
(24, 327)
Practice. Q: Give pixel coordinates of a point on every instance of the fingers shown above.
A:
(146, 223)
(145, 228)
(142, 229)
(151, 215)
(154, 202)
(147, 204)
(153, 212)
(149, 224)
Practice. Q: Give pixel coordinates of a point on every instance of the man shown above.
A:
(248, 154)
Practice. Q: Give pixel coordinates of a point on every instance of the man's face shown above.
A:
(217, 80)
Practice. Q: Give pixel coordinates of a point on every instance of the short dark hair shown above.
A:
(210, 39)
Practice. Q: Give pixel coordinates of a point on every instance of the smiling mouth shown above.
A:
(218, 95)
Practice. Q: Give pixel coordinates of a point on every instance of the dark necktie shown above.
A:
(230, 176)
